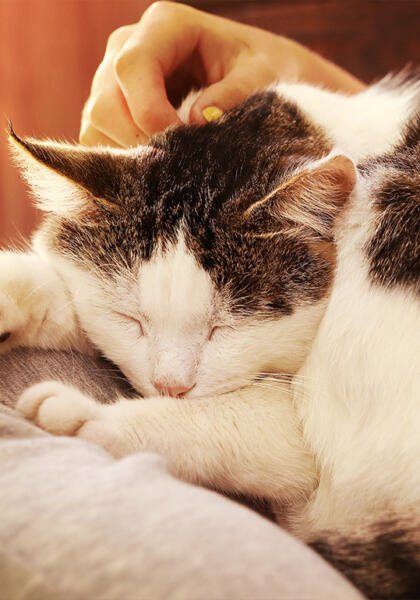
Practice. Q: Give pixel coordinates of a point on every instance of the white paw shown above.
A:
(63, 410)
(57, 408)
(35, 308)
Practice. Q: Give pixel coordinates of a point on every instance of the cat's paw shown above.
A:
(35, 307)
(58, 408)
(63, 410)
(14, 290)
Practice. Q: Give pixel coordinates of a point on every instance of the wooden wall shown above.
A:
(49, 50)
(368, 37)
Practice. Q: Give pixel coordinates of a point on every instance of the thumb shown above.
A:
(225, 94)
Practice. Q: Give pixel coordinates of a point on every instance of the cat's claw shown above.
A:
(61, 409)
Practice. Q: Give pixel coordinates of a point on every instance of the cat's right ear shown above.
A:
(306, 203)
(71, 181)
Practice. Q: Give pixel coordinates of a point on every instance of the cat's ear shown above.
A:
(307, 203)
(71, 181)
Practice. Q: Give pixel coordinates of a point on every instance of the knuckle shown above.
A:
(92, 113)
(85, 137)
(242, 90)
(122, 62)
(95, 114)
(144, 114)
(85, 118)
(118, 37)
(161, 7)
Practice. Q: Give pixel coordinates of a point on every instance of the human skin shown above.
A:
(149, 66)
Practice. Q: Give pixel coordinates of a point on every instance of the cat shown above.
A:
(214, 263)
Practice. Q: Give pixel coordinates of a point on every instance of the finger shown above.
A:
(118, 38)
(236, 87)
(108, 112)
(105, 117)
(89, 136)
(157, 47)
(221, 96)
(145, 94)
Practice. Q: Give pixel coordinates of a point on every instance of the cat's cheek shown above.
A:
(140, 381)
(217, 377)
(132, 357)
(215, 387)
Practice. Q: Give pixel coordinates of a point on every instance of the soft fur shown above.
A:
(217, 261)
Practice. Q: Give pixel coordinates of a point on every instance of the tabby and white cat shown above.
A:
(217, 255)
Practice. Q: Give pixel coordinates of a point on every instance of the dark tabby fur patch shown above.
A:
(200, 180)
(98, 173)
(394, 249)
(384, 565)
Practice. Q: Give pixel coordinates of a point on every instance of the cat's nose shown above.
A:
(175, 389)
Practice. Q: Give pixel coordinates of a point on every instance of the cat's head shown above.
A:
(204, 258)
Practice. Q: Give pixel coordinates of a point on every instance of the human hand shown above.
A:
(150, 66)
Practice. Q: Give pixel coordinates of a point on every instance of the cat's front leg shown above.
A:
(248, 441)
(35, 306)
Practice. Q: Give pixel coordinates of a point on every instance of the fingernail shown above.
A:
(212, 113)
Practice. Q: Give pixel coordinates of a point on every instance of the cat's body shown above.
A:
(360, 403)
(271, 260)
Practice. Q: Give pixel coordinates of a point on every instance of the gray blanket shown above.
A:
(76, 523)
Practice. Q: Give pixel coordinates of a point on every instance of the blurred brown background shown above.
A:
(49, 50)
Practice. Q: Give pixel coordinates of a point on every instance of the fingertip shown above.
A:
(155, 121)
(201, 115)
(211, 105)
(211, 113)
(90, 136)
(196, 113)
(155, 115)
(220, 97)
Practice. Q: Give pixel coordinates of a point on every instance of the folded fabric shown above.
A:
(76, 523)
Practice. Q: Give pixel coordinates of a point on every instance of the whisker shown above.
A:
(280, 386)
(35, 289)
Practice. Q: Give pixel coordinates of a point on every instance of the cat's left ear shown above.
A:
(307, 203)
(71, 181)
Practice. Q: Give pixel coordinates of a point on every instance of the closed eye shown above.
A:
(212, 332)
(132, 319)
(218, 329)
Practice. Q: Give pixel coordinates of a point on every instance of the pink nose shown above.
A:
(174, 389)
